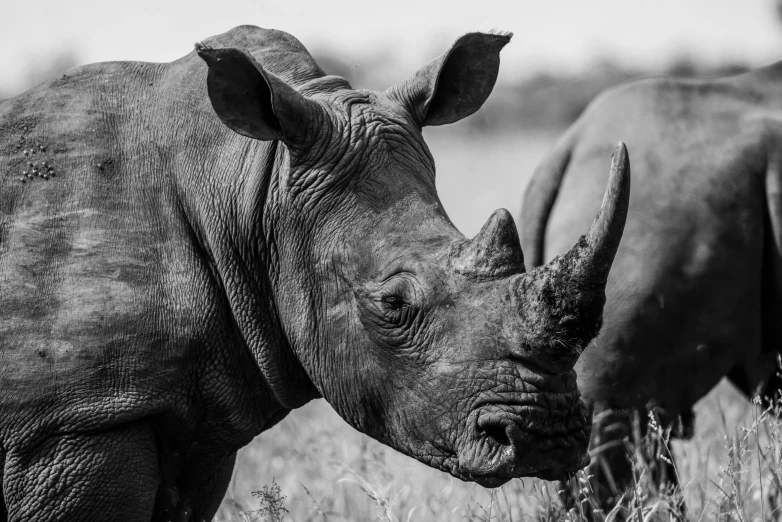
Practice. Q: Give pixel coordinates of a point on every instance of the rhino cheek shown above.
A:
(400, 401)
(430, 424)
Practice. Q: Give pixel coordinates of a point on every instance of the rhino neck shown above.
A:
(224, 181)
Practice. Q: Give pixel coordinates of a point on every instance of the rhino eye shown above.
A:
(397, 311)
(394, 303)
(398, 301)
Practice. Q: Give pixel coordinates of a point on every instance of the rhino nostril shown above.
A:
(498, 434)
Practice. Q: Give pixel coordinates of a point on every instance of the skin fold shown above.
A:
(695, 289)
(190, 250)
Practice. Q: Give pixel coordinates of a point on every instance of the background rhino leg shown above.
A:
(772, 281)
(760, 374)
(109, 475)
(621, 447)
(610, 469)
(3, 508)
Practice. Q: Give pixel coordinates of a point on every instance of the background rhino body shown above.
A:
(696, 289)
(170, 288)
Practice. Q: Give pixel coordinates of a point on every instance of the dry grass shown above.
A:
(730, 470)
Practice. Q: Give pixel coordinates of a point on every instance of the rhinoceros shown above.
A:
(190, 250)
(695, 293)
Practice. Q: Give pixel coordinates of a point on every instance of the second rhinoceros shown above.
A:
(189, 251)
(695, 294)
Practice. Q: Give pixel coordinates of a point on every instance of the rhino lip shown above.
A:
(552, 472)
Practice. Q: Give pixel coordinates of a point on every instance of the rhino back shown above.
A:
(100, 278)
(696, 214)
(672, 128)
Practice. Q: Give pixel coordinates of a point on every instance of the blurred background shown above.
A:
(562, 55)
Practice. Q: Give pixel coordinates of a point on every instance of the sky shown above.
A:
(550, 35)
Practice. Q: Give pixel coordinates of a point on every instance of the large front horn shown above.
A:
(595, 252)
(562, 301)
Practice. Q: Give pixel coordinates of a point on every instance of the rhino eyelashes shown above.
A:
(402, 318)
(394, 302)
(396, 310)
(396, 326)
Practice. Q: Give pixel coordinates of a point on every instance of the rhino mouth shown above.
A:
(526, 445)
(545, 436)
(560, 471)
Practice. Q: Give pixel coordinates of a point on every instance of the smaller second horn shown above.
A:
(494, 252)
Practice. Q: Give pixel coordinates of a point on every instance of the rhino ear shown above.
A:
(252, 101)
(456, 84)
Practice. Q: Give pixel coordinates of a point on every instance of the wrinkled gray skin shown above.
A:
(696, 289)
(228, 236)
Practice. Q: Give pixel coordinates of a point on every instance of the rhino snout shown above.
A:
(543, 435)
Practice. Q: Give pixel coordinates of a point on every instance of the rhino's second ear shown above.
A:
(251, 101)
(456, 84)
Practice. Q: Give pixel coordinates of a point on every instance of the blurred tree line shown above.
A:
(554, 102)
(540, 102)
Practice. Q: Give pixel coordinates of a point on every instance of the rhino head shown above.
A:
(441, 347)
